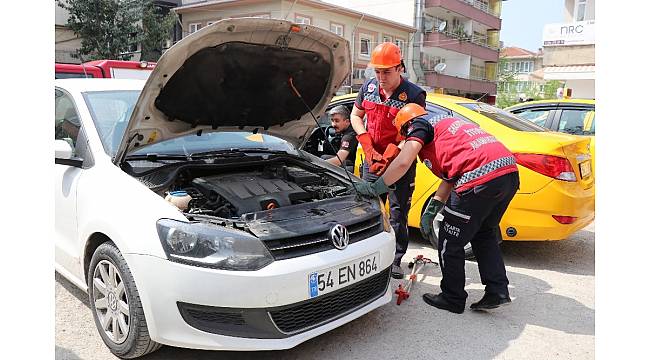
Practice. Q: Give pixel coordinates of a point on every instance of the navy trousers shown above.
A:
(400, 204)
(473, 216)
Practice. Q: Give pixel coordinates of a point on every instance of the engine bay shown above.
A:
(230, 192)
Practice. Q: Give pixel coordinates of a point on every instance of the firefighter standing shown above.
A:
(379, 100)
(479, 178)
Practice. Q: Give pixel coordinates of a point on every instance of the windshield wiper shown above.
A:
(234, 152)
(158, 157)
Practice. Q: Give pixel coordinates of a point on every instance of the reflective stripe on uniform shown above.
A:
(372, 98)
(462, 216)
(485, 169)
(442, 253)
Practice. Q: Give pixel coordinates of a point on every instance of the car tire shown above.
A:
(115, 304)
(469, 254)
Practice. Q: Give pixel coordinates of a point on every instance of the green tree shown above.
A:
(506, 85)
(112, 29)
(108, 29)
(551, 87)
(156, 26)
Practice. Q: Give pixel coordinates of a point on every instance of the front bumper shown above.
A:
(166, 288)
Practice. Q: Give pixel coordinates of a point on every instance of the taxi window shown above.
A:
(575, 121)
(538, 116)
(503, 117)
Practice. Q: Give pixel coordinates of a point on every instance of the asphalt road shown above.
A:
(552, 316)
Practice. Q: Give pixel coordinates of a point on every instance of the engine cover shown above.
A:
(251, 192)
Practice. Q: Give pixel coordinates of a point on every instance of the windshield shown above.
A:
(503, 117)
(111, 111)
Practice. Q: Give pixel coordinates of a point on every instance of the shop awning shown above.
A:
(581, 72)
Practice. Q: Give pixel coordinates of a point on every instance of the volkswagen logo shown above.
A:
(339, 236)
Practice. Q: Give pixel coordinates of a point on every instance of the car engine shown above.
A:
(232, 194)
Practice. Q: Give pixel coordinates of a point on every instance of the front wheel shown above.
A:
(115, 304)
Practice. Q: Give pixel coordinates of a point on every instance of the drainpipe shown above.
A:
(352, 50)
(418, 38)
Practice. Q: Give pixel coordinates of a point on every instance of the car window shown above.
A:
(434, 110)
(66, 120)
(537, 116)
(215, 141)
(574, 121)
(503, 117)
(67, 75)
(111, 111)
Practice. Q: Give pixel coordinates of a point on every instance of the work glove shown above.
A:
(426, 223)
(374, 189)
(371, 154)
(379, 167)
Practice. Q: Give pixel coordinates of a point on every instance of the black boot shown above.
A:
(491, 301)
(441, 303)
(396, 272)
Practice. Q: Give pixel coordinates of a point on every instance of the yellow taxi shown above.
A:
(556, 196)
(571, 116)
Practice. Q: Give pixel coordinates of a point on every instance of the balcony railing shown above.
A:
(481, 6)
(480, 40)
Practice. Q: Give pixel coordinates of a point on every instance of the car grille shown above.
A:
(292, 247)
(328, 307)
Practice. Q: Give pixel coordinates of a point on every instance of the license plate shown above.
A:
(585, 169)
(328, 280)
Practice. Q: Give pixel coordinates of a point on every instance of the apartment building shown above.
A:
(362, 30)
(464, 35)
(66, 42)
(570, 49)
(525, 65)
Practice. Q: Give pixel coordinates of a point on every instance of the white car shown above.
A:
(186, 211)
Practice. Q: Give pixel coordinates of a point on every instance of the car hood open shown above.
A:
(239, 75)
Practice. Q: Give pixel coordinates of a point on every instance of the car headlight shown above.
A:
(212, 246)
(385, 216)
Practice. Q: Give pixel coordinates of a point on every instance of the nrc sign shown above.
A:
(565, 34)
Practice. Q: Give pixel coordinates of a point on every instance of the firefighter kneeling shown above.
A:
(479, 178)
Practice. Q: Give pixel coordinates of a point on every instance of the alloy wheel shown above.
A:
(111, 301)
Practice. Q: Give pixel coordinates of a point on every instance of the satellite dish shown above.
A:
(369, 73)
(428, 25)
(442, 26)
(440, 67)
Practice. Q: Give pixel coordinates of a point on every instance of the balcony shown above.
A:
(474, 10)
(464, 85)
(473, 46)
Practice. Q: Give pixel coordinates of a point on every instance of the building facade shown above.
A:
(464, 35)
(569, 49)
(362, 30)
(526, 68)
(66, 42)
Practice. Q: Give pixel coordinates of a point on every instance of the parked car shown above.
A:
(186, 211)
(118, 69)
(571, 116)
(556, 197)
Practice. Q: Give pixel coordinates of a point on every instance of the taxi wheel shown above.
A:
(469, 254)
(115, 304)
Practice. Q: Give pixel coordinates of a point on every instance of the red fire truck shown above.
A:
(105, 69)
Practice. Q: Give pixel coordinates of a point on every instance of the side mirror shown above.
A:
(63, 154)
(62, 149)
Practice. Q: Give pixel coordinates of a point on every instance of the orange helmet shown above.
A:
(385, 55)
(409, 112)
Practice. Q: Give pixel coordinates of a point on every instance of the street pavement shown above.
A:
(551, 317)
